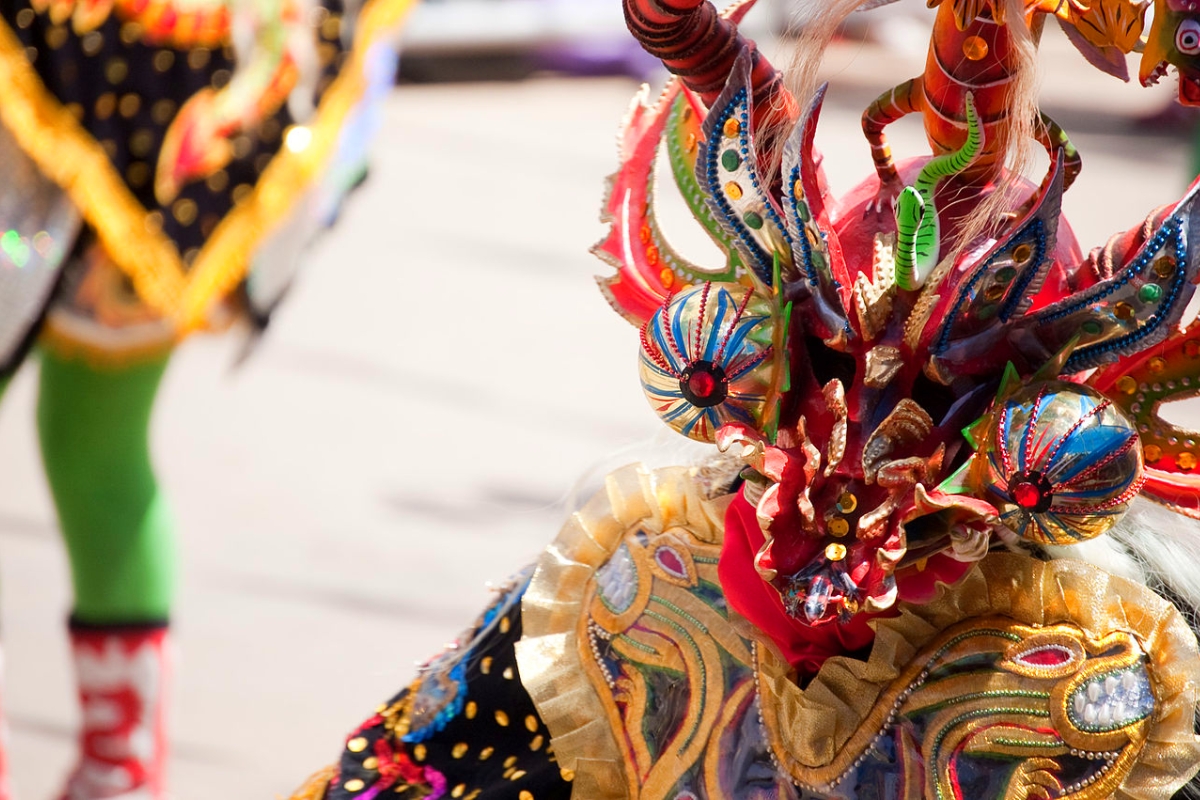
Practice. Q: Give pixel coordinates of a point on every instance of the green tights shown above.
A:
(93, 425)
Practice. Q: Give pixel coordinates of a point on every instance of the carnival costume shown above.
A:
(164, 163)
(932, 422)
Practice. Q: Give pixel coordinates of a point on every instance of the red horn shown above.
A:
(696, 43)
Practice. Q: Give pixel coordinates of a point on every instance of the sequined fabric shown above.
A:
(465, 728)
(37, 227)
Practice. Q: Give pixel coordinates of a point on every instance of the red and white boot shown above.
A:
(122, 673)
(5, 791)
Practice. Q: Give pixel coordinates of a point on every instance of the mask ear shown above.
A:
(819, 268)
(649, 270)
(997, 287)
(1134, 309)
(729, 169)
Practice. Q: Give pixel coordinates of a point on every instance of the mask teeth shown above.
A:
(1112, 701)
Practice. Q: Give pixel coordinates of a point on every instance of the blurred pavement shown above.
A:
(443, 374)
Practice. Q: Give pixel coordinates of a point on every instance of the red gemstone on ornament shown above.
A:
(702, 384)
(1027, 495)
(1046, 657)
(671, 562)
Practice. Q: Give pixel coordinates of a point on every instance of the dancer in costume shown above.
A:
(916, 572)
(163, 166)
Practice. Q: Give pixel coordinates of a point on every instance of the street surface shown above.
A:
(418, 415)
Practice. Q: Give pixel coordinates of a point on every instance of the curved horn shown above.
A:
(699, 45)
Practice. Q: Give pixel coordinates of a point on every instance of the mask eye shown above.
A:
(1187, 37)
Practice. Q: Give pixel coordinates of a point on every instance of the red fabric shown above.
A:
(121, 674)
(804, 646)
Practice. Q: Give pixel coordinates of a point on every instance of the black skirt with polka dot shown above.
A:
(125, 92)
(490, 746)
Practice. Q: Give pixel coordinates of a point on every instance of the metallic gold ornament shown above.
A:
(1060, 462)
(707, 359)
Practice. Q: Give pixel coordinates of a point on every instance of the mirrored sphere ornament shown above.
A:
(706, 359)
(1060, 462)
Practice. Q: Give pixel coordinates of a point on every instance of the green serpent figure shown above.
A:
(918, 231)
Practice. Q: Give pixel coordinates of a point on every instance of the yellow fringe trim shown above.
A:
(66, 346)
(317, 784)
(67, 154)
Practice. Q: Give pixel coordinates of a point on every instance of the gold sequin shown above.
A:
(419, 752)
(218, 181)
(536, 743)
(1123, 310)
(131, 32)
(162, 111)
(1156, 364)
(1152, 452)
(129, 105)
(353, 785)
(1164, 267)
(1186, 460)
(510, 761)
(25, 17)
(525, 795)
(91, 43)
(459, 750)
(531, 723)
(835, 551)
(837, 527)
(458, 790)
(734, 190)
(56, 37)
(242, 146)
(516, 776)
(1126, 384)
(472, 709)
(197, 57)
(505, 625)
(847, 502)
(357, 744)
(116, 70)
(567, 774)
(331, 28)
(106, 104)
(486, 753)
(141, 142)
(137, 174)
(732, 127)
(326, 52)
(485, 665)
(508, 673)
(164, 60)
(502, 719)
(269, 130)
